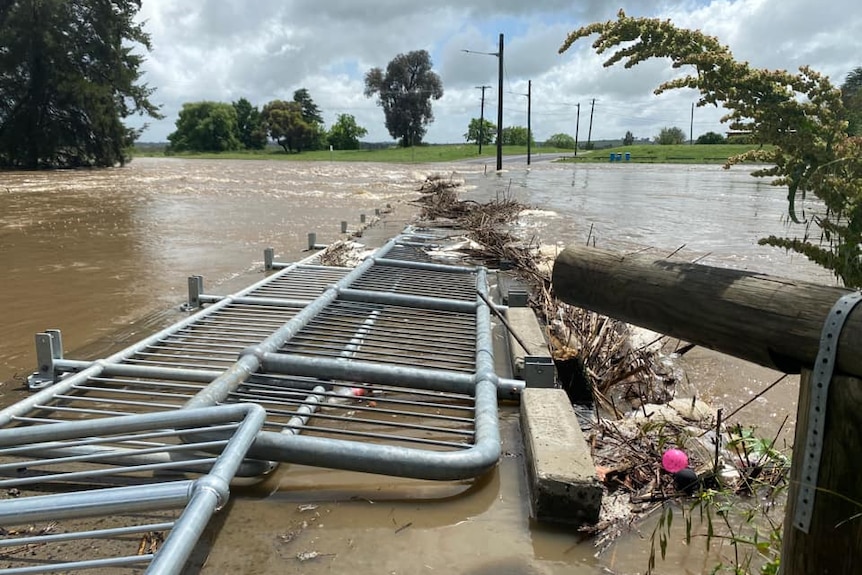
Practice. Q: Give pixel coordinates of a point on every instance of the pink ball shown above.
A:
(674, 460)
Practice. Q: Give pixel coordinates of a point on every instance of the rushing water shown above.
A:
(91, 252)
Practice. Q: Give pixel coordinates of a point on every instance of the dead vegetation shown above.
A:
(626, 373)
(595, 350)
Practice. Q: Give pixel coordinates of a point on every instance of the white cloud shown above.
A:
(226, 49)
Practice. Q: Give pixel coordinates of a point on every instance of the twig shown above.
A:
(504, 320)
(674, 252)
(756, 396)
(717, 441)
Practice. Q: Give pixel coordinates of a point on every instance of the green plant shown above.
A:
(742, 516)
(802, 115)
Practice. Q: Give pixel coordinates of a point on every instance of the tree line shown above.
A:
(296, 125)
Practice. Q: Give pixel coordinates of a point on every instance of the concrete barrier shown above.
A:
(534, 364)
(563, 485)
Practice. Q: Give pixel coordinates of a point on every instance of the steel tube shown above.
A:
(383, 261)
(412, 301)
(109, 501)
(341, 369)
(394, 460)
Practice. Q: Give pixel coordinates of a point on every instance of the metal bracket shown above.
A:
(49, 347)
(196, 288)
(539, 371)
(821, 375)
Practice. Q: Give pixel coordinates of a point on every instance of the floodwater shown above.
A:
(104, 256)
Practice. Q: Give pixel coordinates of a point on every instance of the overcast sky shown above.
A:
(263, 50)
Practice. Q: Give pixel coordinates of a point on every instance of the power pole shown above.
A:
(500, 107)
(482, 118)
(691, 127)
(529, 110)
(577, 126)
(590, 132)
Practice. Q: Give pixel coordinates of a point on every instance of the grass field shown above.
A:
(691, 154)
(673, 154)
(417, 154)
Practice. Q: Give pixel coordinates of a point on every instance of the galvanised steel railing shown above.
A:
(128, 476)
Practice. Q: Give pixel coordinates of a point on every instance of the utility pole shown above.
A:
(529, 114)
(500, 107)
(577, 126)
(590, 131)
(482, 118)
(691, 127)
(499, 55)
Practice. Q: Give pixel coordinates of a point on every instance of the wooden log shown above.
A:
(772, 321)
(833, 543)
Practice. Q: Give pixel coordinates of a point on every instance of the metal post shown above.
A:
(482, 118)
(268, 258)
(500, 107)
(343, 227)
(529, 102)
(577, 126)
(312, 240)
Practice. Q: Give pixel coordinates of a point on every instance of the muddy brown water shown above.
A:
(104, 256)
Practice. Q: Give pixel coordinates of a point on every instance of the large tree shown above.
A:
(564, 141)
(285, 124)
(801, 115)
(205, 127)
(480, 131)
(316, 137)
(249, 126)
(345, 133)
(516, 136)
(851, 96)
(69, 76)
(668, 136)
(404, 92)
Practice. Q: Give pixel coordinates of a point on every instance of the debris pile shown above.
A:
(629, 376)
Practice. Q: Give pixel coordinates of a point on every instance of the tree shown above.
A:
(851, 97)
(480, 130)
(802, 115)
(249, 126)
(314, 140)
(69, 76)
(205, 127)
(668, 136)
(310, 111)
(516, 136)
(285, 124)
(711, 138)
(345, 133)
(628, 139)
(405, 92)
(563, 141)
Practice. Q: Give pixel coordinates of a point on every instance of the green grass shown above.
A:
(417, 154)
(676, 154)
(673, 154)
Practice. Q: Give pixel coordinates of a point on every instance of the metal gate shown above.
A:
(385, 368)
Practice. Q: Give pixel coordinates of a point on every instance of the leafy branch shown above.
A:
(801, 115)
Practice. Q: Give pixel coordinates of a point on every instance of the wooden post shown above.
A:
(772, 321)
(833, 543)
(765, 319)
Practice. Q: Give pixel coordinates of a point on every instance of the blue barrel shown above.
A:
(613, 156)
(628, 156)
(619, 156)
